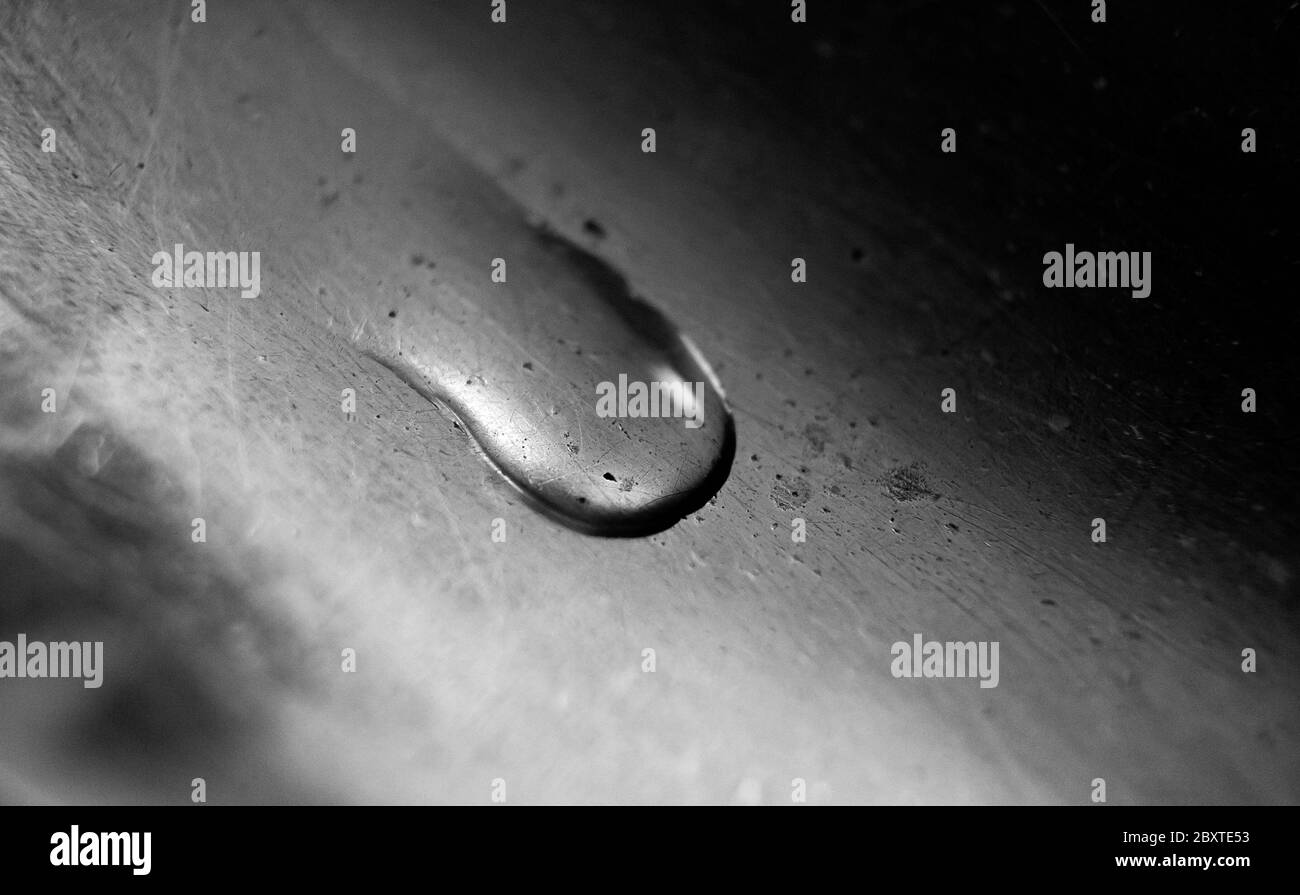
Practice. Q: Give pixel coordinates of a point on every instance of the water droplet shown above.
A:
(502, 358)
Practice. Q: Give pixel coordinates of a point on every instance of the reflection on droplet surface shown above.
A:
(519, 364)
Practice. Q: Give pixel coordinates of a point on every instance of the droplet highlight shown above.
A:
(555, 374)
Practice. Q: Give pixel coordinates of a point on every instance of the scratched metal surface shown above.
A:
(522, 660)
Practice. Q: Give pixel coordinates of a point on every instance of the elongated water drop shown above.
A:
(399, 239)
(520, 364)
